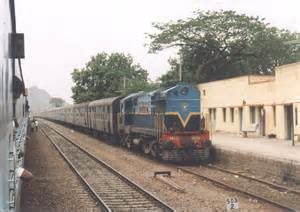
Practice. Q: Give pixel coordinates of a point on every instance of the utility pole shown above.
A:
(180, 67)
(124, 83)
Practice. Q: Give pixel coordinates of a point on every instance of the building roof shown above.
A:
(256, 78)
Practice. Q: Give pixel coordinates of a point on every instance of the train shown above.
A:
(165, 123)
(13, 109)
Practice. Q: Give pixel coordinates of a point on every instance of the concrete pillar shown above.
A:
(219, 118)
(257, 115)
(246, 117)
(239, 119)
(236, 120)
(205, 113)
(280, 122)
(227, 122)
(269, 118)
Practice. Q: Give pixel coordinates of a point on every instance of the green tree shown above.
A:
(105, 76)
(221, 44)
(136, 86)
(57, 102)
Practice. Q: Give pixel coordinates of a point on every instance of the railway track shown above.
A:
(282, 197)
(112, 190)
(279, 196)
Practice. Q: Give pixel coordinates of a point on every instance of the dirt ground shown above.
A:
(198, 195)
(54, 187)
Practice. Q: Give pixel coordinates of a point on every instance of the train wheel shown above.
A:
(123, 140)
(153, 150)
(128, 144)
(146, 148)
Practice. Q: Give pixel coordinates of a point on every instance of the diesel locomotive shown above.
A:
(166, 124)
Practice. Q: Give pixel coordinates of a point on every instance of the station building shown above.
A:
(255, 105)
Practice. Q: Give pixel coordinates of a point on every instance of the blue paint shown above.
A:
(139, 109)
(10, 143)
(183, 98)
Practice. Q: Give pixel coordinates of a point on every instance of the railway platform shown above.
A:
(274, 149)
(273, 160)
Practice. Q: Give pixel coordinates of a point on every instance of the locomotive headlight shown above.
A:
(196, 138)
(184, 106)
(184, 91)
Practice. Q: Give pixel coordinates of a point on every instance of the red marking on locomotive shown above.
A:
(186, 139)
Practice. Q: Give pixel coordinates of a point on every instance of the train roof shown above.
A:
(176, 86)
(133, 95)
(106, 101)
(79, 105)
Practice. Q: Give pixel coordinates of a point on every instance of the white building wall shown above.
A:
(268, 94)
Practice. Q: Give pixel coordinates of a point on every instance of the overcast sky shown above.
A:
(61, 35)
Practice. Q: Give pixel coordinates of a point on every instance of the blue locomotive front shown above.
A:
(165, 123)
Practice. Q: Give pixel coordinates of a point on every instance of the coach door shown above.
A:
(240, 119)
(289, 122)
(262, 121)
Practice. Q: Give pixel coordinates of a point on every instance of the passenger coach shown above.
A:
(103, 117)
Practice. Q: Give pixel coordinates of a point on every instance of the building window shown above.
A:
(252, 115)
(204, 92)
(232, 114)
(224, 114)
(296, 115)
(274, 115)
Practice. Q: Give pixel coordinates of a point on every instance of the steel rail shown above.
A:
(115, 172)
(94, 193)
(275, 186)
(224, 185)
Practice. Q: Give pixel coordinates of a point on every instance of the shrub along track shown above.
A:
(114, 191)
